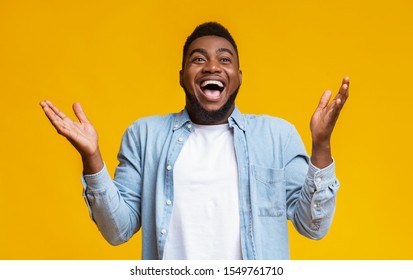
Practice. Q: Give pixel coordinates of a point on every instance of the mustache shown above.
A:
(207, 116)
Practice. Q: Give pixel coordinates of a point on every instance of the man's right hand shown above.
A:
(82, 135)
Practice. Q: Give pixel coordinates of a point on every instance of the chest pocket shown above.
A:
(268, 191)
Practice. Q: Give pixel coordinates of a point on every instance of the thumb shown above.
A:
(77, 108)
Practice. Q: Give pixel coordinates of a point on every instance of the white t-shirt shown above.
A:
(205, 215)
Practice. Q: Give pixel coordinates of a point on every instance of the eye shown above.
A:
(198, 60)
(225, 60)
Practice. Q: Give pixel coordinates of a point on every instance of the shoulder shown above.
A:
(151, 123)
(271, 140)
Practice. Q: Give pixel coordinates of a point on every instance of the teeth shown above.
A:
(212, 82)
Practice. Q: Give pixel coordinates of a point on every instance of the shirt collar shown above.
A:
(181, 119)
(235, 119)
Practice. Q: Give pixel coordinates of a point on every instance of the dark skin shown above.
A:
(210, 59)
(322, 124)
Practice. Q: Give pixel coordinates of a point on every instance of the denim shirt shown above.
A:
(276, 182)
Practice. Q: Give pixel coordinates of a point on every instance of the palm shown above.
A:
(82, 135)
(325, 116)
(322, 123)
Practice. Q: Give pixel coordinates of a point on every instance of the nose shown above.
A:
(212, 66)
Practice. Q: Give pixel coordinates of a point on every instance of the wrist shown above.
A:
(321, 154)
(92, 163)
(321, 144)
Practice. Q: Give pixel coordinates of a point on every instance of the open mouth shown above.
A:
(212, 88)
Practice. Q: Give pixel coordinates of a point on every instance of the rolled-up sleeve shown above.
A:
(311, 192)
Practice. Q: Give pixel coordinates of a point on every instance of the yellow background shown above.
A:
(120, 60)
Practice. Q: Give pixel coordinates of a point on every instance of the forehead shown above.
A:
(211, 44)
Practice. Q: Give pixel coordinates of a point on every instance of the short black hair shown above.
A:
(209, 29)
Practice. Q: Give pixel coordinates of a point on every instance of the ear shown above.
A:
(181, 79)
(240, 76)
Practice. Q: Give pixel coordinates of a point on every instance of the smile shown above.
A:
(212, 89)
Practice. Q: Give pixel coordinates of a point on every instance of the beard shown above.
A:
(203, 116)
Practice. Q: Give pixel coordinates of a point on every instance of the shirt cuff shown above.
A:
(321, 178)
(98, 181)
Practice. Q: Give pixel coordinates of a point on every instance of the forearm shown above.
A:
(116, 220)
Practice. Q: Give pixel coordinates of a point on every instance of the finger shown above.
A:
(344, 88)
(51, 115)
(60, 122)
(325, 98)
(55, 120)
(80, 114)
(56, 110)
(334, 111)
(346, 81)
(44, 105)
(341, 96)
(343, 99)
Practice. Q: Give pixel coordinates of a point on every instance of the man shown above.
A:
(210, 182)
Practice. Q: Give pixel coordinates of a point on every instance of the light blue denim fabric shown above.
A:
(276, 182)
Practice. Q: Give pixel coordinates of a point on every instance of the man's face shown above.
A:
(211, 79)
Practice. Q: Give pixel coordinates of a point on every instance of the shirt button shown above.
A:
(318, 179)
(189, 126)
(241, 126)
(168, 167)
(176, 126)
(163, 231)
(168, 202)
(180, 139)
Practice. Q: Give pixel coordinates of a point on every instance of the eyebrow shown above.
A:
(224, 50)
(199, 50)
(204, 52)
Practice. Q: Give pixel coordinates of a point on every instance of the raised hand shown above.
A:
(323, 121)
(82, 135)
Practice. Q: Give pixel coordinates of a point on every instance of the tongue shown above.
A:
(212, 93)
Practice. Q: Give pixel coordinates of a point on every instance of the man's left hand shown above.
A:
(323, 122)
